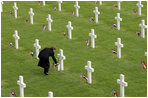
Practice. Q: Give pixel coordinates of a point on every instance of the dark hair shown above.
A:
(53, 47)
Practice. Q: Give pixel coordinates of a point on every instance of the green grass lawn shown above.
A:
(107, 67)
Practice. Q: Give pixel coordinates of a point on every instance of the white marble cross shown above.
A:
(16, 37)
(100, 2)
(122, 84)
(22, 86)
(89, 71)
(145, 53)
(77, 8)
(139, 7)
(70, 28)
(37, 46)
(93, 36)
(118, 21)
(119, 6)
(59, 5)
(50, 94)
(2, 6)
(119, 46)
(31, 15)
(15, 9)
(96, 12)
(61, 58)
(49, 22)
(43, 3)
(143, 26)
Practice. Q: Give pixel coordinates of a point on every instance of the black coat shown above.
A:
(44, 57)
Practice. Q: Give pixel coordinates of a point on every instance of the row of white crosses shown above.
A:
(143, 26)
(89, 71)
(22, 85)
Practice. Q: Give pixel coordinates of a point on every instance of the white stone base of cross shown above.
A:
(122, 84)
(89, 71)
(22, 86)
(61, 62)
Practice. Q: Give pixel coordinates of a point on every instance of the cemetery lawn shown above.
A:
(107, 67)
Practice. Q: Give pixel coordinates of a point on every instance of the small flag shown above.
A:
(114, 51)
(143, 64)
(80, 75)
(55, 8)
(138, 33)
(44, 27)
(112, 92)
(96, 2)
(91, 19)
(10, 44)
(85, 77)
(115, 5)
(53, 65)
(135, 11)
(115, 93)
(87, 42)
(31, 53)
(10, 12)
(73, 13)
(39, 2)
(26, 20)
(64, 34)
(12, 94)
